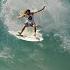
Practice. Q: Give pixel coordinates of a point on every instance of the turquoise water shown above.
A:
(53, 53)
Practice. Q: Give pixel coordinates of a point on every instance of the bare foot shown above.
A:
(19, 34)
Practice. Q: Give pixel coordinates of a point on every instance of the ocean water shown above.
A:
(53, 53)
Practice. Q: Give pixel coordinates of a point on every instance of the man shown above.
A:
(29, 20)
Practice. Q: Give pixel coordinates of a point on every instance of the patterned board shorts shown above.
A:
(29, 24)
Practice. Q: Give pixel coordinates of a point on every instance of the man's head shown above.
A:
(27, 12)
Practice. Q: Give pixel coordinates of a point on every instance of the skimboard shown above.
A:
(28, 35)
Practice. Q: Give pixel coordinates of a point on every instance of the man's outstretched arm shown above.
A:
(40, 10)
(20, 16)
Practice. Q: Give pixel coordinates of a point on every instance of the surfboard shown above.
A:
(28, 35)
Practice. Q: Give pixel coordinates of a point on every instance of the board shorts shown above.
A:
(28, 23)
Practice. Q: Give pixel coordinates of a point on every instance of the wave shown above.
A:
(54, 20)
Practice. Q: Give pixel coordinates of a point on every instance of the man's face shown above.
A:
(28, 12)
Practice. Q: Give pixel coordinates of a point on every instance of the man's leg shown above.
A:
(34, 26)
(23, 28)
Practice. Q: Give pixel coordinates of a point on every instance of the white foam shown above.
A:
(5, 53)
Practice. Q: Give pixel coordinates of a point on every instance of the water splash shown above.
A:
(54, 19)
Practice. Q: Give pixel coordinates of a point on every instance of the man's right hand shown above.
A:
(18, 17)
